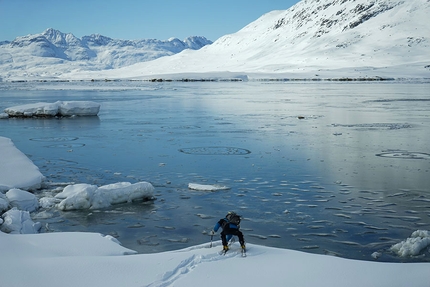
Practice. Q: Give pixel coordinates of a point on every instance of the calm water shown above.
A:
(330, 168)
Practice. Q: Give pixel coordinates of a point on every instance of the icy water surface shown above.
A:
(330, 168)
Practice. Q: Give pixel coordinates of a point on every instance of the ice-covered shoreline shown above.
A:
(19, 176)
(17, 202)
(346, 75)
(73, 254)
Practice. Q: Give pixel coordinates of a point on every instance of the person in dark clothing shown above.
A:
(230, 227)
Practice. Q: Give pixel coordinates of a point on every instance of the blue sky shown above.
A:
(133, 19)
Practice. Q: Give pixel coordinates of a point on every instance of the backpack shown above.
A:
(233, 218)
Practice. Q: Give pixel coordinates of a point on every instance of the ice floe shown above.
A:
(207, 187)
(59, 108)
(87, 196)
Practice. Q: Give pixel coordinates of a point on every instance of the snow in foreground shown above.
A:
(90, 259)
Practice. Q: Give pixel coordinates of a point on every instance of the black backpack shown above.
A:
(233, 218)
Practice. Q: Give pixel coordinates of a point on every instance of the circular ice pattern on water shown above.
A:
(215, 150)
(55, 139)
(404, 154)
(66, 145)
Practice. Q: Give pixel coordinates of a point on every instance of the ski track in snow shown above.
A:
(189, 264)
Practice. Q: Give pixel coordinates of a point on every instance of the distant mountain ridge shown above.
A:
(312, 39)
(99, 52)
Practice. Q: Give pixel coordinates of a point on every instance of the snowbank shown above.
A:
(19, 222)
(17, 170)
(89, 259)
(59, 108)
(85, 196)
(23, 200)
(412, 246)
(207, 187)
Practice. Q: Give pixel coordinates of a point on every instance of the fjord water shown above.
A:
(325, 167)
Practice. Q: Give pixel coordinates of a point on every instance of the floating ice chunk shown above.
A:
(79, 108)
(23, 200)
(413, 245)
(48, 202)
(73, 189)
(36, 109)
(85, 196)
(4, 116)
(376, 255)
(76, 196)
(59, 108)
(204, 216)
(19, 222)
(121, 192)
(207, 187)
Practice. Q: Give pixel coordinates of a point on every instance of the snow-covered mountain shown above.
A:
(314, 38)
(36, 54)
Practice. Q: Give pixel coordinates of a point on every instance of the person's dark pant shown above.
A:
(230, 231)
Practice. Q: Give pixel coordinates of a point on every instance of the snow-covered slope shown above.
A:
(314, 38)
(332, 38)
(39, 54)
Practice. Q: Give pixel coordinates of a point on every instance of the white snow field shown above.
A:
(90, 259)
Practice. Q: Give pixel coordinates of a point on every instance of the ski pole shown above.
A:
(212, 236)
